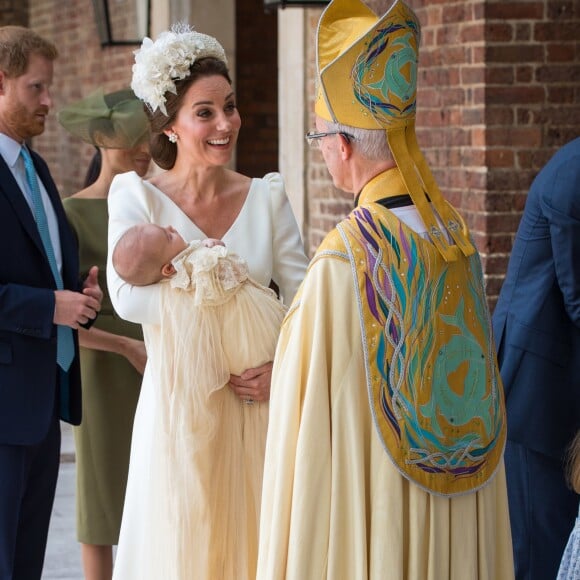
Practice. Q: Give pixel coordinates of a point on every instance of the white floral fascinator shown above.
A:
(159, 63)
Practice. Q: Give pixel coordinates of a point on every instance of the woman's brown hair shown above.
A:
(163, 151)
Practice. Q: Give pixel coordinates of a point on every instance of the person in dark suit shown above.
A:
(537, 331)
(42, 303)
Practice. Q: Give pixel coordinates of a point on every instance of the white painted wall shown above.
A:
(291, 108)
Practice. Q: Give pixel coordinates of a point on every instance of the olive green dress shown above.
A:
(110, 386)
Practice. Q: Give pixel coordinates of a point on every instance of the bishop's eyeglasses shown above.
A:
(314, 138)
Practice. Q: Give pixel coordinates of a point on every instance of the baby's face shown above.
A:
(166, 241)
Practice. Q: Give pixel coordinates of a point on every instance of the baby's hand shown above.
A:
(211, 242)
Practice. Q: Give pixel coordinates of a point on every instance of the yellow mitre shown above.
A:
(367, 78)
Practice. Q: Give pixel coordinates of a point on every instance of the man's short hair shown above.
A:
(370, 143)
(17, 43)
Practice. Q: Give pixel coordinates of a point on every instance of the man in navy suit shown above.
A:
(537, 332)
(42, 303)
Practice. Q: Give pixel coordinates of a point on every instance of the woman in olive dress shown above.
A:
(112, 351)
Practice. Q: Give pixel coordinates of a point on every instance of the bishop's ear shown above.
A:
(345, 147)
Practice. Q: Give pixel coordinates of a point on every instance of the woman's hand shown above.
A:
(253, 384)
(134, 351)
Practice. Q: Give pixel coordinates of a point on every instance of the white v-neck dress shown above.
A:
(266, 235)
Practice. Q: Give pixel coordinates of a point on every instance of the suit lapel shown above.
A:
(10, 189)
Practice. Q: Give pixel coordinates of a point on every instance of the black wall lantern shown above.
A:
(273, 4)
(122, 22)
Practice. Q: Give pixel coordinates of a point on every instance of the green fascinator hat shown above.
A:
(114, 120)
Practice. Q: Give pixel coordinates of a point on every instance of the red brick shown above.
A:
(561, 52)
(524, 74)
(448, 35)
(477, 179)
(476, 9)
(560, 115)
(431, 16)
(471, 157)
(499, 32)
(501, 202)
(495, 264)
(523, 31)
(502, 222)
(471, 33)
(502, 180)
(516, 94)
(477, 96)
(558, 136)
(499, 115)
(458, 12)
(514, 10)
(559, 31)
(559, 94)
(472, 75)
(499, 75)
(498, 243)
(472, 116)
(454, 55)
(533, 159)
(438, 76)
(516, 53)
(565, 73)
(474, 202)
(500, 158)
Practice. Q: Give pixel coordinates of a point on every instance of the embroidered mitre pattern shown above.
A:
(432, 376)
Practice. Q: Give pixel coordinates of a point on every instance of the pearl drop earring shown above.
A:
(172, 137)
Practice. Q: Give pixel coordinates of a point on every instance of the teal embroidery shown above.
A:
(407, 294)
(394, 81)
(461, 349)
(376, 96)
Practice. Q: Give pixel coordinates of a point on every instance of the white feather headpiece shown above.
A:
(159, 63)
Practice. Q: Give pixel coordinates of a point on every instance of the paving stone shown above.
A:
(63, 554)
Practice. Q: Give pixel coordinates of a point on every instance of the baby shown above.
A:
(212, 312)
(144, 253)
(218, 303)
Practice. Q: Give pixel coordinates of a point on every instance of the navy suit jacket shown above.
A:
(537, 318)
(28, 370)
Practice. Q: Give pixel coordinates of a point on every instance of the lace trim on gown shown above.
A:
(213, 273)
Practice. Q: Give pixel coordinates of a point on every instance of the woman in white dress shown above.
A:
(183, 79)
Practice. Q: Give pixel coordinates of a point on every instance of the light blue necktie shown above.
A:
(65, 350)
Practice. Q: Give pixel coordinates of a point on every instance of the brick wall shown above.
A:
(257, 88)
(499, 92)
(532, 108)
(83, 66)
(14, 13)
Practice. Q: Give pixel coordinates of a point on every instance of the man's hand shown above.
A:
(91, 286)
(73, 308)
